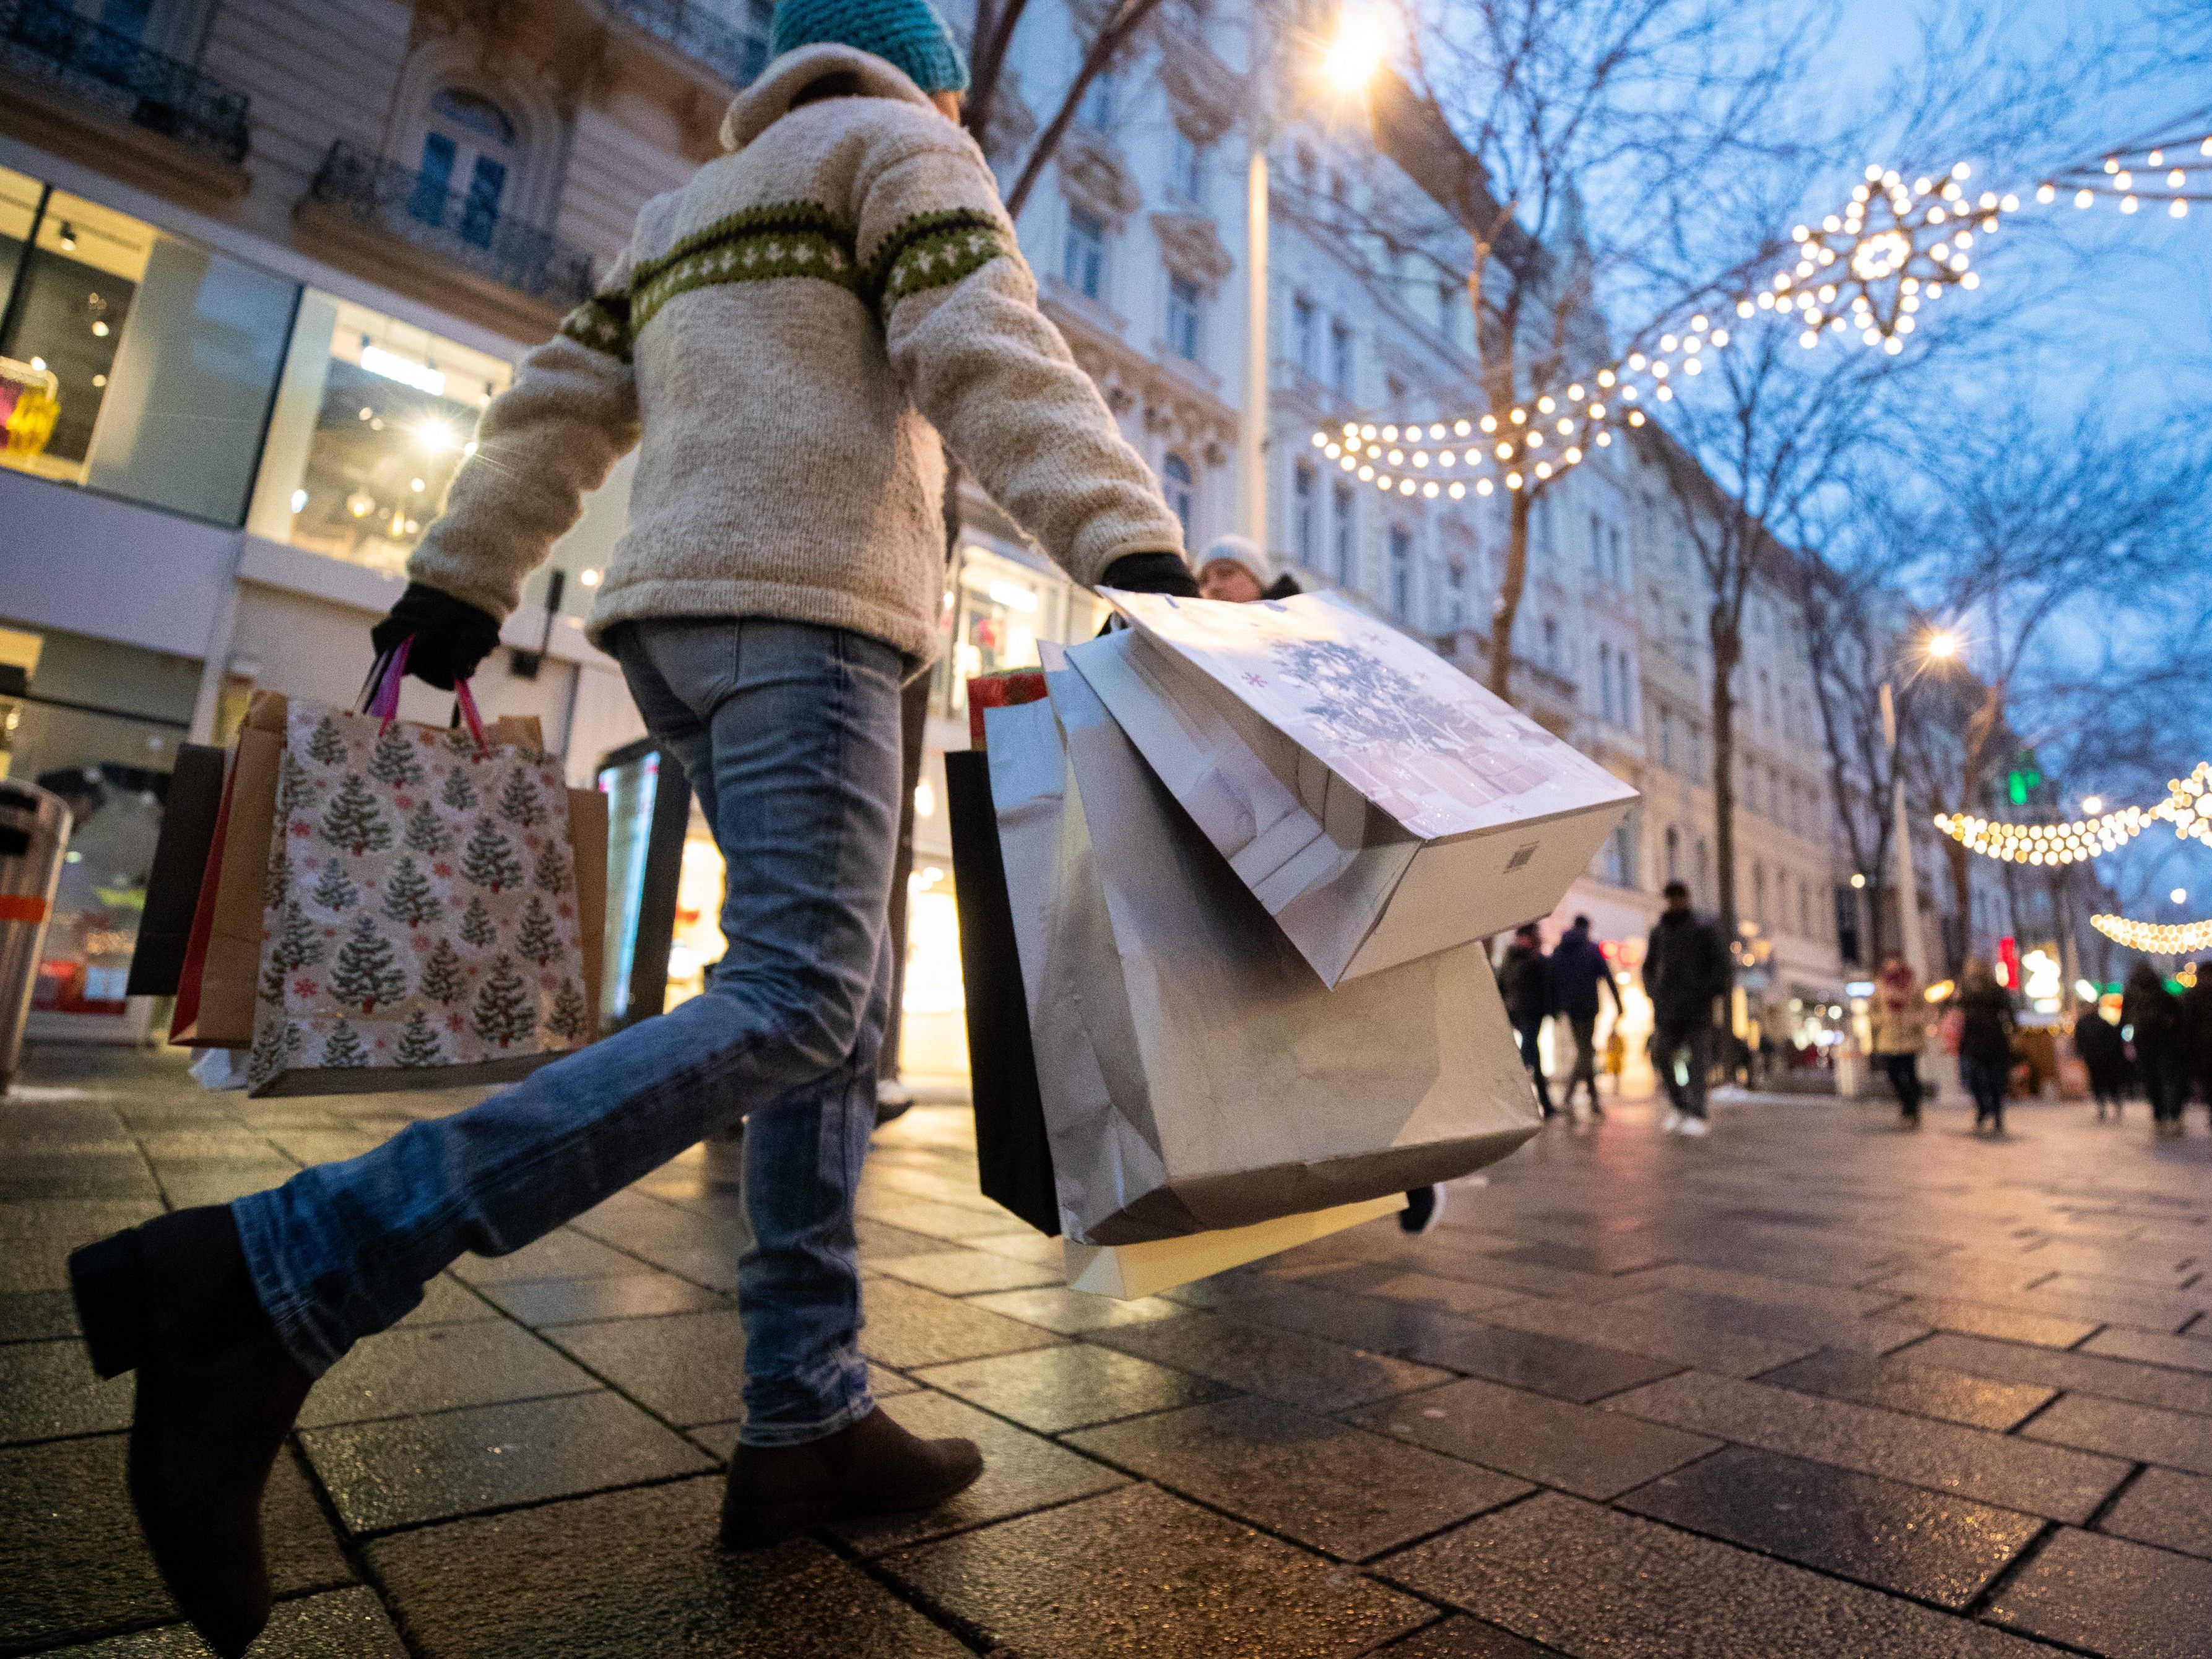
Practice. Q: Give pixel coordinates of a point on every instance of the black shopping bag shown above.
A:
(180, 860)
(1012, 1150)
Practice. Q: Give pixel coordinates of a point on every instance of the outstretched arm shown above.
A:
(545, 443)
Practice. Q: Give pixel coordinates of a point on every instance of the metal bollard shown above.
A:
(34, 829)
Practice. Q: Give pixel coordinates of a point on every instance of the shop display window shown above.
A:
(996, 610)
(132, 362)
(374, 416)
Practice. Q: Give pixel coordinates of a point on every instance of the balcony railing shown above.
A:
(50, 43)
(737, 56)
(458, 225)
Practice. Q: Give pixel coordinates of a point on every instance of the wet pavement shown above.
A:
(1811, 1386)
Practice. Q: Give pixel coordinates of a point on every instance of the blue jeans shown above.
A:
(790, 735)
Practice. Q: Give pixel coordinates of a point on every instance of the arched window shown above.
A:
(469, 148)
(1181, 490)
(1402, 572)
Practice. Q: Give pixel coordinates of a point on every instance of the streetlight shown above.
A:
(1942, 645)
(2179, 895)
(1362, 42)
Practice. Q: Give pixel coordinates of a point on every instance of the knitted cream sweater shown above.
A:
(786, 337)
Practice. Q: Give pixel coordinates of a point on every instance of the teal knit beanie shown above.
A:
(908, 33)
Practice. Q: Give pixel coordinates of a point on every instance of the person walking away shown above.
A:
(1524, 981)
(1685, 968)
(2104, 1055)
(1578, 969)
(2150, 1018)
(1985, 1031)
(2196, 1031)
(1898, 1019)
(792, 338)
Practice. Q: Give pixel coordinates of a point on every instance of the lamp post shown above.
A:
(1361, 43)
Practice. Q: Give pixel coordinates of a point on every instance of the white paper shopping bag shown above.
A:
(1378, 803)
(1195, 1075)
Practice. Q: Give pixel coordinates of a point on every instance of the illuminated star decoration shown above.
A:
(1867, 270)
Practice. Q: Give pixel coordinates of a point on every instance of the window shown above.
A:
(1622, 853)
(1804, 910)
(132, 362)
(1345, 507)
(1097, 111)
(1180, 487)
(1666, 740)
(1455, 596)
(468, 147)
(1402, 572)
(1704, 881)
(1303, 539)
(1339, 357)
(1619, 556)
(1674, 854)
(1758, 892)
(1184, 302)
(1395, 388)
(1305, 347)
(754, 21)
(1600, 571)
(1605, 684)
(1084, 257)
(1551, 636)
(1186, 170)
(373, 418)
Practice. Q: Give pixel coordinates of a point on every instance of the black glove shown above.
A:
(1151, 572)
(451, 635)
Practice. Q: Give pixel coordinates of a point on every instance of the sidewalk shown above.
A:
(1812, 1386)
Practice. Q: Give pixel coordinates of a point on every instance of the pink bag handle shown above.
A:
(382, 698)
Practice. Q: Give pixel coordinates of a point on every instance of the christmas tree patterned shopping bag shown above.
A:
(420, 925)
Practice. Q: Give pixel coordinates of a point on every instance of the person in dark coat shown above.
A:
(1524, 981)
(2196, 1029)
(1578, 969)
(2104, 1055)
(2150, 1018)
(1985, 1031)
(1685, 967)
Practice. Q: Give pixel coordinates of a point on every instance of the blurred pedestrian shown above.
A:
(1985, 1033)
(2150, 1019)
(1578, 969)
(1685, 968)
(2104, 1055)
(2197, 1029)
(1898, 1019)
(1524, 981)
(1234, 571)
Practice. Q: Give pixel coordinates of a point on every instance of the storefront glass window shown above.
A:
(373, 418)
(132, 362)
(999, 610)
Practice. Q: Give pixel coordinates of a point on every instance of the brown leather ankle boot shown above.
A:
(873, 1466)
(217, 1393)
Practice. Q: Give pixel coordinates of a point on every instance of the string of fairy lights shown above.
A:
(1866, 271)
(2187, 807)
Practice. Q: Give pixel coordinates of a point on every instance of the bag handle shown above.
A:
(380, 694)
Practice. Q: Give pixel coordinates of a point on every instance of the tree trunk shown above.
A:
(1728, 651)
(1509, 589)
(1981, 726)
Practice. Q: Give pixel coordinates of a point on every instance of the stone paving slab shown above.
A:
(2167, 1508)
(350, 1624)
(1897, 1384)
(2006, 1324)
(2176, 1439)
(1287, 1366)
(1071, 1313)
(1306, 1478)
(447, 1301)
(2079, 1373)
(563, 1253)
(908, 1327)
(1587, 1579)
(1576, 1449)
(2003, 1470)
(49, 1389)
(587, 1301)
(1138, 1572)
(689, 1368)
(72, 1563)
(1456, 1296)
(964, 1272)
(2184, 1353)
(411, 1469)
(634, 1572)
(1693, 1279)
(1708, 1317)
(37, 1316)
(1055, 1389)
(2112, 1597)
(1716, 1347)
(405, 1372)
(1916, 1542)
(1461, 1638)
(1565, 1369)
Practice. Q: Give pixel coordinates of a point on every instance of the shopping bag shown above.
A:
(1378, 803)
(1194, 1074)
(421, 923)
(189, 810)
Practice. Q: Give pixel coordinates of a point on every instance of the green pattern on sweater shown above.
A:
(794, 239)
